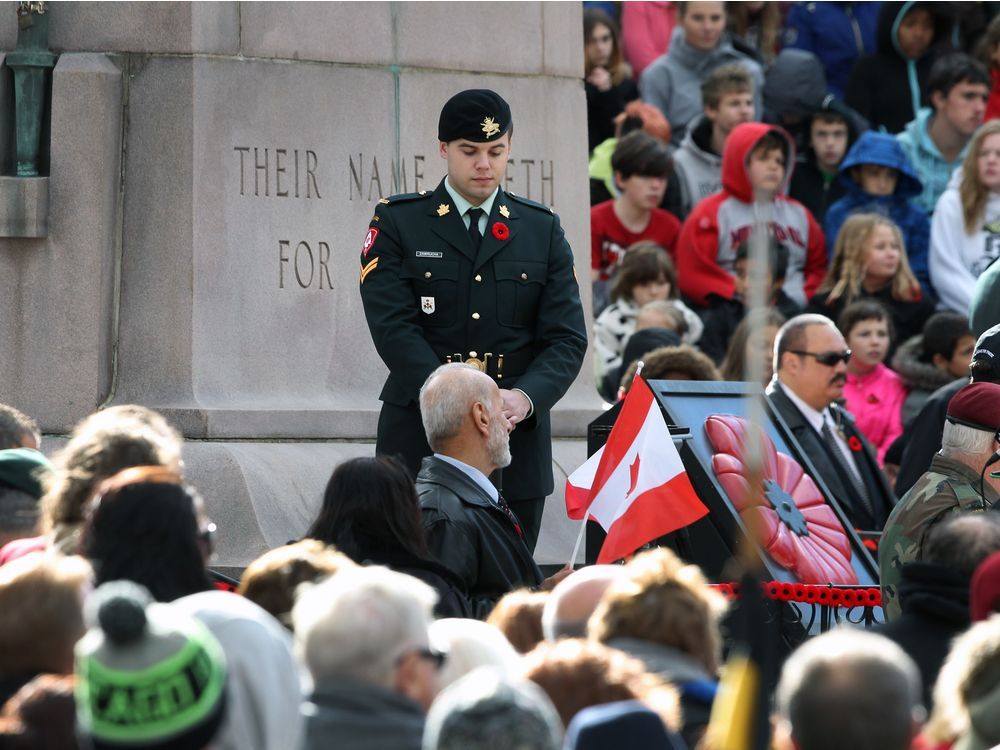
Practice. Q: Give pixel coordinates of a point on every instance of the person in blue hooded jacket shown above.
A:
(880, 179)
(838, 33)
(890, 86)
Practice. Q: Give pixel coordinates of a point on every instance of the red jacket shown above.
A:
(706, 250)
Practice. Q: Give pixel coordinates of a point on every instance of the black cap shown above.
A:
(986, 357)
(478, 115)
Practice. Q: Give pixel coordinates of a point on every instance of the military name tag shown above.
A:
(427, 305)
(430, 254)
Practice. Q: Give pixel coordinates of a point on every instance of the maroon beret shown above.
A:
(977, 405)
(984, 590)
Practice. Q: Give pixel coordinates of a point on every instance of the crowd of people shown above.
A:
(411, 614)
(857, 136)
(805, 195)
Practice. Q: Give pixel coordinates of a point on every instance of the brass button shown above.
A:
(478, 277)
(427, 274)
(524, 277)
(475, 316)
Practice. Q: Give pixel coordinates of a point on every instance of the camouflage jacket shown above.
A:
(948, 486)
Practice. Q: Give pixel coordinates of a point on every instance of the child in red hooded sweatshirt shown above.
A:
(754, 161)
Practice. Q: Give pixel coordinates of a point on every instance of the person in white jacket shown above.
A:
(646, 274)
(965, 229)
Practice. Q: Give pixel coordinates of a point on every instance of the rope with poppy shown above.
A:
(829, 595)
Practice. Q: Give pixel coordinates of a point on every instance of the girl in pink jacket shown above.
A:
(874, 393)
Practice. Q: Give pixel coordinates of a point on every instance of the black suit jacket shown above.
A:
(924, 436)
(829, 466)
(429, 295)
(471, 536)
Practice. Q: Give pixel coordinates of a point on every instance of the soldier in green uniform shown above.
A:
(958, 480)
(472, 273)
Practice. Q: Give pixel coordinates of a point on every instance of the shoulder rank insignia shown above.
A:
(384, 201)
(365, 270)
(490, 127)
(443, 209)
(505, 212)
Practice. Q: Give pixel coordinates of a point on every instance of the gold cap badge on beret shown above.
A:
(490, 127)
(477, 115)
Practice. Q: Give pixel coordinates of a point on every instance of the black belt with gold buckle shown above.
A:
(496, 365)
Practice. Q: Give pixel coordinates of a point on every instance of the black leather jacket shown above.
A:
(471, 536)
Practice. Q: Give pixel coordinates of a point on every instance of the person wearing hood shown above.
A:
(832, 131)
(965, 231)
(937, 138)
(727, 95)
(935, 358)
(879, 179)
(699, 45)
(755, 165)
(890, 87)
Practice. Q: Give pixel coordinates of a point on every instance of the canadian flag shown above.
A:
(635, 487)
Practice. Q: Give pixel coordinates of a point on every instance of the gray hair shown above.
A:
(792, 335)
(962, 541)
(962, 439)
(850, 688)
(485, 710)
(356, 626)
(445, 399)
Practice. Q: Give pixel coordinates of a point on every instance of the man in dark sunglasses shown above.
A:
(810, 369)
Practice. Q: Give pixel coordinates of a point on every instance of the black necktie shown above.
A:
(505, 509)
(843, 460)
(474, 235)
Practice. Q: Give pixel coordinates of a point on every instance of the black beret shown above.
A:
(478, 115)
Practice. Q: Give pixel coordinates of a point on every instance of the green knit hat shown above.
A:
(148, 676)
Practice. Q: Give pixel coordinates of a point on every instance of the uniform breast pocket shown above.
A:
(520, 285)
(435, 289)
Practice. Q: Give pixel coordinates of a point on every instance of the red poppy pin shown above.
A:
(500, 231)
(854, 444)
(873, 399)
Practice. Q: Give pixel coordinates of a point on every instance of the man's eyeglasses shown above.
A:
(829, 359)
(436, 658)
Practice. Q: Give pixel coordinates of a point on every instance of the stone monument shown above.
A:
(212, 172)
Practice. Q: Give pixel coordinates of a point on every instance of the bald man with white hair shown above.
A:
(470, 528)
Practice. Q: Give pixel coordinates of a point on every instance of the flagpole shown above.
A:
(586, 515)
(579, 540)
